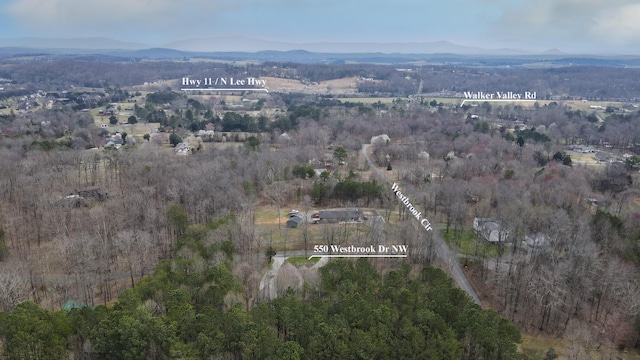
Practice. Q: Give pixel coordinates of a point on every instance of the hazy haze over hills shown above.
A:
(252, 45)
(247, 44)
(93, 43)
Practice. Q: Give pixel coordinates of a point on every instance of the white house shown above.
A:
(490, 230)
(537, 240)
(380, 139)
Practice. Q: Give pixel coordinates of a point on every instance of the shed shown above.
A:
(294, 221)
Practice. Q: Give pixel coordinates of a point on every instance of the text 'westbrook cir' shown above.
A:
(417, 214)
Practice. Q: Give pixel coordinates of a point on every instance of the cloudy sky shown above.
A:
(593, 26)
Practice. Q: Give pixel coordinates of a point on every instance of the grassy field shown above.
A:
(133, 130)
(299, 261)
(466, 243)
(371, 100)
(586, 159)
(585, 106)
(458, 101)
(535, 347)
(316, 234)
(228, 99)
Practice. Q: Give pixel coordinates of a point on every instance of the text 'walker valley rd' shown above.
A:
(500, 95)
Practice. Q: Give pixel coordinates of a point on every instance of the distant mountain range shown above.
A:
(246, 44)
(242, 48)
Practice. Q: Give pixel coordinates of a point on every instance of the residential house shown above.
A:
(582, 149)
(536, 240)
(108, 112)
(205, 135)
(182, 149)
(340, 215)
(327, 160)
(490, 230)
(380, 140)
(606, 157)
(114, 142)
(319, 172)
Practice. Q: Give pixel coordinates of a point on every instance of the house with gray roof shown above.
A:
(294, 221)
(340, 215)
(490, 230)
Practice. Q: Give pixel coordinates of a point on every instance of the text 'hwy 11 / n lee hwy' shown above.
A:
(223, 81)
(417, 214)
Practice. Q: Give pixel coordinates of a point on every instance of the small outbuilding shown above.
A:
(294, 221)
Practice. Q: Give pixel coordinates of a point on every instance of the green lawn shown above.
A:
(317, 234)
(535, 347)
(266, 218)
(466, 242)
(299, 261)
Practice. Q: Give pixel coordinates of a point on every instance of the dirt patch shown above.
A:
(344, 86)
(586, 159)
(272, 221)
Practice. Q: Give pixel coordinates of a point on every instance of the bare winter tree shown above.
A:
(277, 193)
(289, 278)
(80, 254)
(14, 285)
(249, 276)
(581, 341)
(138, 251)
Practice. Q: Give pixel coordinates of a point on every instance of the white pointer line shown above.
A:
(213, 89)
(504, 100)
(360, 256)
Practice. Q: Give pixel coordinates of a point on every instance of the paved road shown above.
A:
(145, 142)
(365, 152)
(269, 282)
(442, 249)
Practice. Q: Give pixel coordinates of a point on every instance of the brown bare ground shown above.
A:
(344, 86)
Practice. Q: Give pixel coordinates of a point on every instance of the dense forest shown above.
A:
(185, 310)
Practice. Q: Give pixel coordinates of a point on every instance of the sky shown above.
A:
(573, 26)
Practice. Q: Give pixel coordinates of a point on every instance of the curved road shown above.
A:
(268, 287)
(145, 142)
(442, 249)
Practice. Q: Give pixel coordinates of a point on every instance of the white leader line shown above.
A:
(230, 89)
(503, 100)
(360, 256)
